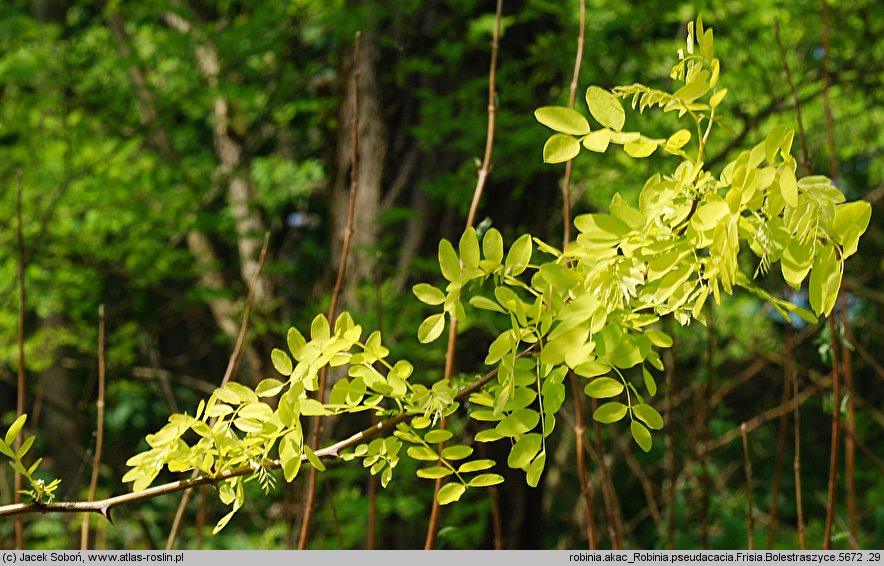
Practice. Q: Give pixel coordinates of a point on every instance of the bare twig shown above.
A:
(572, 98)
(20, 389)
(670, 446)
(579, 428)
(609, 495)
(99, 429)
(797, 461)
(747, 466)
(232, 365)
(579, 431)
(339, 284)
(849, 441)
(833, 328)
(770, 414)
(484, 171)
(781, 440)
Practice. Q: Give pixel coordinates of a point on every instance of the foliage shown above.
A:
(40, 491)
(590, 308)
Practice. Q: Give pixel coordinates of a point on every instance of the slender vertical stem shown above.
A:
(781, 448)
(232, 365)
(484, 172)
(703, 432)
(747, 466)
(836, 432)
(99, 430)
(670, 445)
(20, 400)
(850, 438)
(579, 430)
(609, 494)
(833, 327)
(339, 284)
(797, 462)
(572, 99)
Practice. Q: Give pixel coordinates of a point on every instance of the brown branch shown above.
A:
(232, 365)
(104, 506)
(849, 441)
(769, 414)
(797, 461)
(833, 330)
(484, 171)
(781, 439)
(585, 489)
(670, 446)
(339, 284)
(99, 429)
(20, 389)
(572, 98)
(747, 466)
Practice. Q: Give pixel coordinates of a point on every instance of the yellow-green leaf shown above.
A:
(560, 148)
(649, 415)
(281, 361)
(641, 435)
(598, 140)
(450, 493)
(603, 387)
(610, 412)
(562, 119)
(605, 108)
(431, 328)
(428, 294)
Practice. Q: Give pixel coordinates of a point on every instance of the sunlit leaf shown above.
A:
(562, 119)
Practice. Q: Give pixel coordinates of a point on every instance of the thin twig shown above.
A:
(833, 329)
(232, 365)
(670, 445)
(849, 441)
(20, 389)
(579, 428)
(484, 171)
(770, 414)
(747, 466)
(585, 489)
(572, 98)
(609, 495)
(781, 441)
(799, 505)
(339, 285)
(99, 429)
(104, 506)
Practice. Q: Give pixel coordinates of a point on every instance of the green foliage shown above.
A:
(591, 308)
(40, 492)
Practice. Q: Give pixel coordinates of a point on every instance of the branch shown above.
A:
(484, 171)
(104, 506)
(339, 284)
(232, 365)
(20, 389)
(99, 429)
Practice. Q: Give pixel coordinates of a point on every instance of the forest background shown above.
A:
(155, 143)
